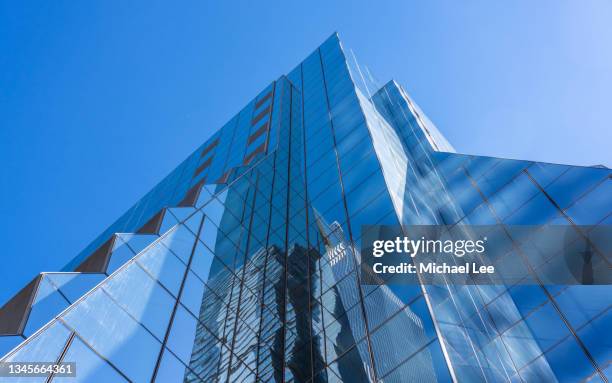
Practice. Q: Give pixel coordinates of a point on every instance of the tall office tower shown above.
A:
(242, 265)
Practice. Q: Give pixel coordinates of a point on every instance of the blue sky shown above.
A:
(100, 100)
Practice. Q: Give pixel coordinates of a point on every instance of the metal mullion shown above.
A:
(246, 252)
(228, 308)
(286, 268)
(177, 302)
(76, 334)
(267, 257)
(346, 211)
(61, 356)
(320, 302)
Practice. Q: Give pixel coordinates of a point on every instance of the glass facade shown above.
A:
(243, 264)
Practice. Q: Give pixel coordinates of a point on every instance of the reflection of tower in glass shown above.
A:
(340, 261)
(266, 313)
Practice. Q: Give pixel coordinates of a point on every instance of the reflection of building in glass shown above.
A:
(241, 265)
(407, 325)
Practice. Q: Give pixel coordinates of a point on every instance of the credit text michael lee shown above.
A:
(412, 247)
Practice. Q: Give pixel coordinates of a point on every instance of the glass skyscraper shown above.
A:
(242, 265)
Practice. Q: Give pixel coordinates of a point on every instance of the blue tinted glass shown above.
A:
(47, 304)
(594, 206)
(89, 365)
(74, 285)
(46, 346)
(151, 306)
(171, 369)
(182, 334)
(110, 331)
(8, 342)
(574, 183)
(568, 362)
(164, 266)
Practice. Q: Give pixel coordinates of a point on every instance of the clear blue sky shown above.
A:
(99, 100)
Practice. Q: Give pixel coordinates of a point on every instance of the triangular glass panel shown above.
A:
(137, 242)
(206, 194)
(181, 213)
(47, 303)
(120, 256)
(193, 222)
(74, 285)
(167, 223)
